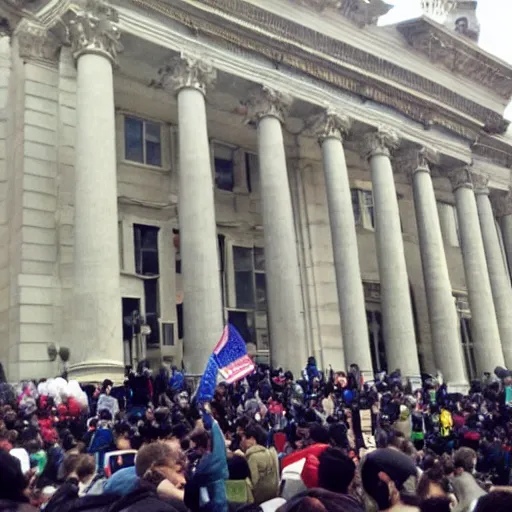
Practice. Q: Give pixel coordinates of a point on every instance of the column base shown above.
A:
(91, 372)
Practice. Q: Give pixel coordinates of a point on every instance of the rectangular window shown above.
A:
(250, 316)
(152, 301)
(244, 277)
(142, 141)
(146, 249)
(362, 205)
(223, 157)
(168, 334)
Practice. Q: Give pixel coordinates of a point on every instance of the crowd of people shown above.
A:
(270, 442)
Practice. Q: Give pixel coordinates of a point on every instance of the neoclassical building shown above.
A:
(329, 186)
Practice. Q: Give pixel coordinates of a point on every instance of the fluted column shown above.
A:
(97, 342)
(484, 325)
(500, 282)
(202, 310)
(444, 322)
(399, 333)
(332, 129)
(503, 207)
(287, 337)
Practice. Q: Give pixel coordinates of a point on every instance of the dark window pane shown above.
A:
(168, 334)
(261, 292)
(244, 287)
(244, 324)
(153, 144)
(224, 177)
(242, 258)
(146, 249)
(253, 172)
(356, 206)
(259, 259)
(133, 149)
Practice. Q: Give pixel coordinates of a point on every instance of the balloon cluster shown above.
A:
(68, 397)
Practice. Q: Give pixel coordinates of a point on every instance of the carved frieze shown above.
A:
(331, 125)
(461, 177)
(36, 42)
(95, 30)
(458, 55)
(266, 101)
(381, 142)
(186, 71)
(290, 47)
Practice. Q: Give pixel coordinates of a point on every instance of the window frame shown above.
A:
(167, 145)
(365, 221)
(259, 315)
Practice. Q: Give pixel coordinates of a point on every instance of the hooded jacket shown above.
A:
(467, 491)
(264, 467)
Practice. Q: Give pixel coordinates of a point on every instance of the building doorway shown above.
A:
(131, 331)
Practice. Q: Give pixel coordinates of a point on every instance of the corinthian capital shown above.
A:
(267, 102)
(502, 203)
(95, 30)
(35, 42)
(412, 161)
(382, 142)
(332, 125)
(186, 72)
(480, 183)
(461, 178)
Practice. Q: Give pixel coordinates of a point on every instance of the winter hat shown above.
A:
(398, 466)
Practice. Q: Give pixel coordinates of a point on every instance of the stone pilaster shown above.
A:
(97, 346)
(496, 265)
(331, 130)
(444, 322)
(189, 78)
(485, 331)
(399, 332)
(288, 343)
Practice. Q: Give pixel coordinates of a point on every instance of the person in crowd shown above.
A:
(494, 502)
(13, 485)
(390, 478)
(464, 483)
(263, 463)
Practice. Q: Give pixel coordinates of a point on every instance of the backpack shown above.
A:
(446, 423)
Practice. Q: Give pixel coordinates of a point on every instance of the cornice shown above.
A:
(361, 12)
(458, 54)
(289, 44)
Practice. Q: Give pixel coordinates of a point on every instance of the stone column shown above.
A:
(287, 337)
(399, 332)
(344, 242)
(97, 343)
(500, 282)
(444, 321)
(484, 325)
(503, 208)
(202, 304)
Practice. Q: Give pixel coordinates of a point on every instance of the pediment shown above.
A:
(458, 54)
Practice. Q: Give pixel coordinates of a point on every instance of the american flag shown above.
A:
(231, 357)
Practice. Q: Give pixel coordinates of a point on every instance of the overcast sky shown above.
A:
(495, 18)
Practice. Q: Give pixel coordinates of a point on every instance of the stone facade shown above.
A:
(217, 86)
